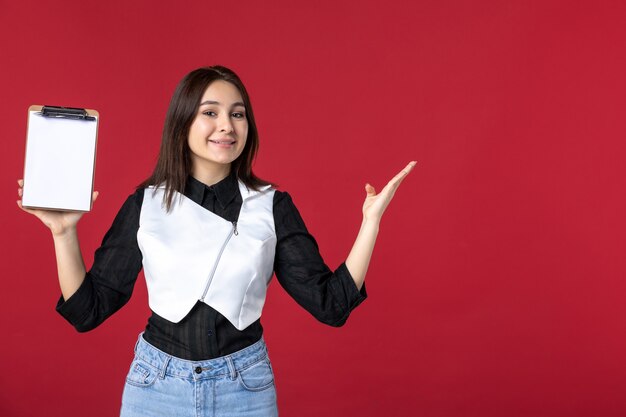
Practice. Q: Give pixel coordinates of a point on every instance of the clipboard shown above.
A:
(60, 159)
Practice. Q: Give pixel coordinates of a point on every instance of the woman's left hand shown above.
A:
(375, 204)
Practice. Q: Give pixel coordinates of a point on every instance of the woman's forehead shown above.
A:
(221, 93)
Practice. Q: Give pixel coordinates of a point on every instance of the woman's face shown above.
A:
(218, 133)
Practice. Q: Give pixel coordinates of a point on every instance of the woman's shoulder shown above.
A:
(281, 196)
(283, 202)
(137, 195)
(134, 200)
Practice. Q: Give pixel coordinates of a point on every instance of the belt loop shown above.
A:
(231, 367)
(137, 342)
(166, 362)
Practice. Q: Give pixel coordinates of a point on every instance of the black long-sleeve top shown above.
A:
(204, 333)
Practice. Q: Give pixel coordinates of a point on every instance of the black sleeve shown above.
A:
(329, 296)
(109, 284)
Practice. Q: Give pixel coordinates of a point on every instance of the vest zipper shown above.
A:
(217, 261)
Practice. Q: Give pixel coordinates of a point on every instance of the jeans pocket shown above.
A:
(141, 374)
(258, 376)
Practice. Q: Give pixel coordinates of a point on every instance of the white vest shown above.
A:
(192, 254)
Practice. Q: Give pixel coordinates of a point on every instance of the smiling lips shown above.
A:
(222, 142)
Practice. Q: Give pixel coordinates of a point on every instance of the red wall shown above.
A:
(497, 284)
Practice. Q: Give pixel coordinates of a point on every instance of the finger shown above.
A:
(402, 174)
(19, 204)
(395, 182)
(20, 182)
(94, 196)
(19, 192)
(370, 190)
(405, 171)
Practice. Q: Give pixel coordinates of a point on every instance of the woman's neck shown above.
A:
(212, 176)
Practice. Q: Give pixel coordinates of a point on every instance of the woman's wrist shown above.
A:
(371, 221)
(65, 233)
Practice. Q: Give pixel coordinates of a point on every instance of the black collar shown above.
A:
(224, 190)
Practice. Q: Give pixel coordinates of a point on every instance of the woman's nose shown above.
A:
(225, 124)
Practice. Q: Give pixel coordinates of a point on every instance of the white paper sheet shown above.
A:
(60, 163)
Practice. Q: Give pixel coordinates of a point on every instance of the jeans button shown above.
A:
(198, 370)
(210, 333)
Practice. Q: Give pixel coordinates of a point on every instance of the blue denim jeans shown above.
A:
(240, 384)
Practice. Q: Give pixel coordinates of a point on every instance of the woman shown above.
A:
(209, 234)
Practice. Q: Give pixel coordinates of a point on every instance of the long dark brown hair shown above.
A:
(174, 163)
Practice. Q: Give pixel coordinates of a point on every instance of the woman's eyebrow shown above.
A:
(235, 104)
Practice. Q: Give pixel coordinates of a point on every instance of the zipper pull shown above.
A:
(235, 229)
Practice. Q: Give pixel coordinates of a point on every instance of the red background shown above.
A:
(497, 284)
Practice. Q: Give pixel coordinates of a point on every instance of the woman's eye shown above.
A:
(210, 113)
(238, 115)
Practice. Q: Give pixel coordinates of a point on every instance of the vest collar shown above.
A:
(248, 192)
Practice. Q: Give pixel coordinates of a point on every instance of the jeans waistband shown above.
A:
(211, 368)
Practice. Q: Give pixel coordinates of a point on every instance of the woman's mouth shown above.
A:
(223, 142)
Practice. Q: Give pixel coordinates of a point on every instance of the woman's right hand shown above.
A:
(59, 222)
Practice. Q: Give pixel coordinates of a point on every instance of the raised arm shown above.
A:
(373, 208)
(62, 224)
(328, 295)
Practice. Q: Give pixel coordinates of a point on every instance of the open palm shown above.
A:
(375, 204)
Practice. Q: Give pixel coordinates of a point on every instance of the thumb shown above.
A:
(94, 196)
(370, 190)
